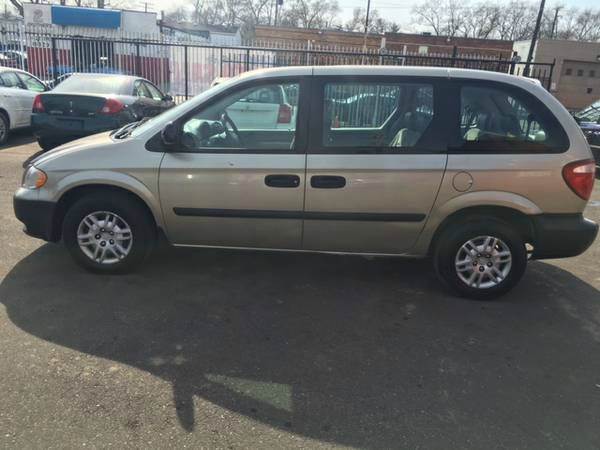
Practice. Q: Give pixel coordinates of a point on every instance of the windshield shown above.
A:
(590, 114)
(174, 113)
(98, 84)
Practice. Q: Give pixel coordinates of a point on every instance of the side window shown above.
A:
(139, 90)
(154, 92)
(31, 83)
(10, 79)
(493, 119)
(383, 115)
(252, 119)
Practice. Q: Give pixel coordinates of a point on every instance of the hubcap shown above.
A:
(483, 262)
(104, 237)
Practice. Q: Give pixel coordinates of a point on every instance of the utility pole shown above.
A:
(366, 28)
(278, 3)
(555, 22)
(534, 38)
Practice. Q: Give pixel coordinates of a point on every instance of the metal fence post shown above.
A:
(247, 60)
(54, 58)
(136, 69)
(185, 71)
(454, 55)
(221, 62)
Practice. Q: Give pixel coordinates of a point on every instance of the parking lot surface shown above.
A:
(232, 349)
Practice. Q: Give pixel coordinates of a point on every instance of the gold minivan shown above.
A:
(478, 170)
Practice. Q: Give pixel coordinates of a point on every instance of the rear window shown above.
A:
(100, 84)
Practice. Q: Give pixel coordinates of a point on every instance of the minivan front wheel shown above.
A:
(108, 233)
(480, 260)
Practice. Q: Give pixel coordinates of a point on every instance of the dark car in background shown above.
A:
(589, 121)
(85, 104)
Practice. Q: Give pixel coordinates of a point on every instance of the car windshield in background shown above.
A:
(590, 114)
(97, 84)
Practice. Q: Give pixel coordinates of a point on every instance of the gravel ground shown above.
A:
(225, 349)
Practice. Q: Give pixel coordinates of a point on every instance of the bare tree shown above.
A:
(377, 24)
(310, 13)
(445, 18)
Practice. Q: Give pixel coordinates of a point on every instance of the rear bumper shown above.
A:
(38, 218)
(61, 128)
(562, 235)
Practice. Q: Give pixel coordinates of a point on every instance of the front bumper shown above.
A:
(562, 235)
(38, 217)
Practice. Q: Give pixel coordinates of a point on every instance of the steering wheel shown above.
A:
(232, 135)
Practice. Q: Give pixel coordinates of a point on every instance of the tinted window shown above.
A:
(590, 114)
(376, 114)
(139, 90)
(493, 119)
(10, 79)
(251, 119)
(153, 91)
(96, 84)
(31, 83)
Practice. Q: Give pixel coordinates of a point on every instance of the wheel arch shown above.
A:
(4, 111)
(70, 196)
(519, 219)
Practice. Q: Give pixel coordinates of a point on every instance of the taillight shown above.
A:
(579, 176)
(112, 106)
(285, 113)
(38, 106)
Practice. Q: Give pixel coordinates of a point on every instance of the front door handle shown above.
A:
(282, 181)
(327, 182)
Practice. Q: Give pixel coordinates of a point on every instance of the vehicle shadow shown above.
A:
(367, 353)
(17, 138)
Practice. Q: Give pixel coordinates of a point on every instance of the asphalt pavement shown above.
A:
(233, 349)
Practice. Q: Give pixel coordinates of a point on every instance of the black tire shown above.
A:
(452, 239)
(130, 210)
(47, 144)
(5, 126)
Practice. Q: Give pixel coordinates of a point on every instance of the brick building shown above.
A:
(576, 77)
(423, 44)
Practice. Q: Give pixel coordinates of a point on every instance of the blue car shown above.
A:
(589, 121)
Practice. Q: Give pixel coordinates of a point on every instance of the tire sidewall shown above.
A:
(453, 238)
(135, 216)
(4, 118)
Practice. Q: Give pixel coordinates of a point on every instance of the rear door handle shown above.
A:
(282, 181)
(327, 182)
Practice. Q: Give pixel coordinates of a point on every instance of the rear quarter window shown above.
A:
(497, 118)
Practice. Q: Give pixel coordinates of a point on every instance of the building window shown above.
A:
(423, 49)
(592, 73)
(569, 71)
(579, 72)
(590, 90)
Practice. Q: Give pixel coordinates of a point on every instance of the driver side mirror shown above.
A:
(168, 98)
(169, 134)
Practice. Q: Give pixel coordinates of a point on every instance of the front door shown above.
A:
(236, 184)
(375, 163)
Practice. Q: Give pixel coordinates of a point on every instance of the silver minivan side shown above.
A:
(478, 170)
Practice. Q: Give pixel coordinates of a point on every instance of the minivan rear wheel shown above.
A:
(480, 259)
(108, 233)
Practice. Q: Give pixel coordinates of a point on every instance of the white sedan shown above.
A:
(18, 89)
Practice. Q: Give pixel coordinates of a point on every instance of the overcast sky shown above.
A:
(396, 10)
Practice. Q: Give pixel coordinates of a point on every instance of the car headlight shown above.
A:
(34, 178)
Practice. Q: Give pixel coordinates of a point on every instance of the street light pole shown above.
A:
(534, 38)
